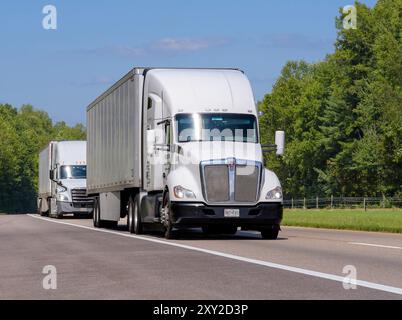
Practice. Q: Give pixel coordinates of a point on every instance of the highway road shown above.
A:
(113, 264)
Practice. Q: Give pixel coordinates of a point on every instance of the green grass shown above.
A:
(381, 220)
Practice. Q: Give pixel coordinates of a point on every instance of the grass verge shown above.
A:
(380, 220)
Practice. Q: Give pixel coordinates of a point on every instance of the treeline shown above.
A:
(343, 116)
(23, 132)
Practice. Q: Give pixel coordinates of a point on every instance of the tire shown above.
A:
(270, 234)
(40, 212)
(50, 213)
(134, 223)
(167, 223)
(57, 215)
(96, 214)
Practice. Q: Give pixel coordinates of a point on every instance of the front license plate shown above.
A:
(231, 213)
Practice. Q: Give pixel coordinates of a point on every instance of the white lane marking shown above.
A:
(375, 245)
(312, 273)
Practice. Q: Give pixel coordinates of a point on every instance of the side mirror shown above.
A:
(280, 142)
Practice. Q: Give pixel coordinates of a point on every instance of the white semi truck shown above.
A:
(62, 180)
(178, 148)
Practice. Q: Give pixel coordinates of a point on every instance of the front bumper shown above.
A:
(258, 217)
(70, 207)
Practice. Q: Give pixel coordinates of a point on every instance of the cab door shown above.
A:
(166, 149)
(155, 138)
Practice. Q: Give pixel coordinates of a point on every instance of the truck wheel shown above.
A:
(52, 212)
(167, 219)
(96, 214)
(134, 222)
(270, 234)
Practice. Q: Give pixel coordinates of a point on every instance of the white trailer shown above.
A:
(177, 148)
(62, 179)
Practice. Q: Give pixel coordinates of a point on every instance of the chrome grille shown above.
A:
(246, 186)
(217, 183)
(79, 196)
(231, 181)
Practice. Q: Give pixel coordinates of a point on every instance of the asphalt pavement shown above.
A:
(113, 264)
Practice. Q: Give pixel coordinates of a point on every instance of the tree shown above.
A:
(23, 133)
(343, 116)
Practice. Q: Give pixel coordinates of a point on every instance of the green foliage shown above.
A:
(343, 116)
(23, 133)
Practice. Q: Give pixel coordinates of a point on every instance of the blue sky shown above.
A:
(96, 42)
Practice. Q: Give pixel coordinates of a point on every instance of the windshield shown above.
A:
(73, 172)
(216, 127)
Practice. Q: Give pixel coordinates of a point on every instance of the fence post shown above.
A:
(364, 204)
(316, 202)
(383, 200)
(332, 201)
(304, 203)
(293, 204)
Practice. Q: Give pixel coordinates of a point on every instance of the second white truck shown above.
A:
(177, 148)
(62, 180)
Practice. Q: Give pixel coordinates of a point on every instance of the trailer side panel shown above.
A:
(114, 137)
(44, 169)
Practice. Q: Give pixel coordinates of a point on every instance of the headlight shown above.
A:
(274, 194)
(61, 189)
(62, 197)
(181, 192)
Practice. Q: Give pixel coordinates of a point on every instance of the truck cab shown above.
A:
(203, 152)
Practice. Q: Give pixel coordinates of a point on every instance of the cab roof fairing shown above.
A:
(198, 91)
(70, 153)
